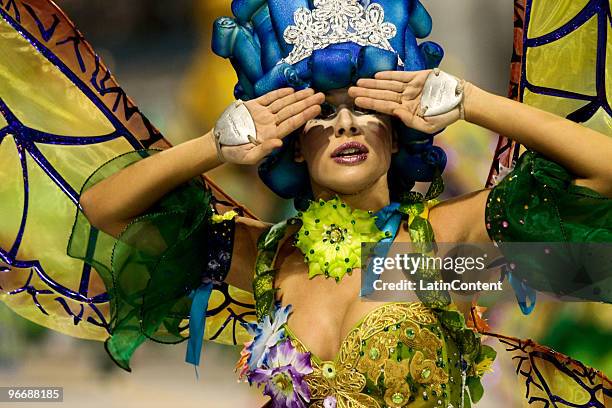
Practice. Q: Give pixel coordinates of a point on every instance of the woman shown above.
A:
(363, 354)
(348, 155)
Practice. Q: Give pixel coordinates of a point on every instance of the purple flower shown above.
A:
(284, 378)
(266, 334)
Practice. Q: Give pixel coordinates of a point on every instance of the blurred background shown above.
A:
(160, 53)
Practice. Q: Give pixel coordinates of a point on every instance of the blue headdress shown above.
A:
(329, 44)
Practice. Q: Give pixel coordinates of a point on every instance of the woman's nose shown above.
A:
(346, 124)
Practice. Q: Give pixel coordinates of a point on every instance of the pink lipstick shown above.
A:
(350, 153)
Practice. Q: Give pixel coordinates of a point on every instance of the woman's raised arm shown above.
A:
(584, 152)
(115, 201)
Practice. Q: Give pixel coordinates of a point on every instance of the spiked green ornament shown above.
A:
(331, 237)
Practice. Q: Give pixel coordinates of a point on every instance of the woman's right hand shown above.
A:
(276, 114)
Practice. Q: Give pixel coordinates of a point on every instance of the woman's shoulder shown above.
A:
(461, 219)
(248, 231)
(253, 226)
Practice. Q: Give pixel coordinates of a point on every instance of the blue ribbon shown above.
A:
(197, 323)
(523, 292)
(388, 219)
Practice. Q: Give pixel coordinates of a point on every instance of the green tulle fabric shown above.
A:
(538, 202)
(151, 269)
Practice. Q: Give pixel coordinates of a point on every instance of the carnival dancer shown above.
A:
(339, 107)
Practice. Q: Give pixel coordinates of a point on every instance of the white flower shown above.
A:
(267, 334)
(329, 402)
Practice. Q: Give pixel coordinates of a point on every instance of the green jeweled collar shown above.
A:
(331, 235)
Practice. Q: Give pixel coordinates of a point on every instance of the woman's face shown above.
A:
(347, 151)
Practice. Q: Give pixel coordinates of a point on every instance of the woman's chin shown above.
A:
(356, 171)
(348, 178)
(348, 182)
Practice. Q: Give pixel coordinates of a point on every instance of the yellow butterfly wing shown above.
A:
(562, 63)
(63, 115)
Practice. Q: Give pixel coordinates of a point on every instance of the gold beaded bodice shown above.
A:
(396, 356)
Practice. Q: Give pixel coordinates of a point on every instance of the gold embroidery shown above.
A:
(350, 401)
(339, 378)
(366, 349)
(394, 313)
(429, 343)
(397, 394)
(426, 372)
(409, 333)
(423, 339)
(396, 370)
(375, 353)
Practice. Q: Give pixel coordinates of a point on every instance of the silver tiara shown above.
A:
(334, 22)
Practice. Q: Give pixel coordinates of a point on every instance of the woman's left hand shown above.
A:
(398, 93)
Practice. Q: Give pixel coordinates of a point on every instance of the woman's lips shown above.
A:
(350, 153)
(353, 159)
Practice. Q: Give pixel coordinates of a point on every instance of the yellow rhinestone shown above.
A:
(329, 371)
(425, 373)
